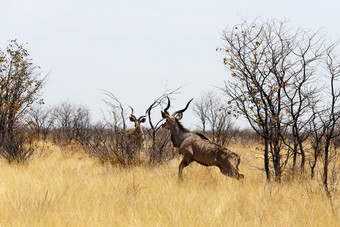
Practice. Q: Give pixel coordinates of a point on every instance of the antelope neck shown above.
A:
(178, 134)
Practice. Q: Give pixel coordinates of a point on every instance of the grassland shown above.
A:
(60, 187)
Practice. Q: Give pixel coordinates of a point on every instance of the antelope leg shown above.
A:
(185, 162)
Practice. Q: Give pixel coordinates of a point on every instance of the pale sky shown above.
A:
(136, 49)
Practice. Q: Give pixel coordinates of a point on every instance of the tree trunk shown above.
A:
(303, 158)
(294, 158)
(266, 159)
(325, 167)
(314, 164)
(277, 162)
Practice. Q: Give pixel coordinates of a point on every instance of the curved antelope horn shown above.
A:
(182, 110)
(141, 117)
(131, 110)
(167, 107)
(132, 113)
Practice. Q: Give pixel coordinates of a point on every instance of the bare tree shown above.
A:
(325, 122)
(115, 142)
(159, 149)
(332, 116)
(81, 124)
(113, 146)
(200, 109)
(40, 121)
(117, 109)
(71, 122)
(317, 133)
(214, 116)
(271, 70)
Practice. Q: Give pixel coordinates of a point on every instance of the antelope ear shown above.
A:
(132, 119)
(142, 120)
(165, 115)
(179, 116)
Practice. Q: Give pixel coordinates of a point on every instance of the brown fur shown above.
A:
(197, 147)
(202, 135)
(205, 152)
(135, 136)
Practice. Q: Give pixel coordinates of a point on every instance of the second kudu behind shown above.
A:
(197, 147)
(136, 135)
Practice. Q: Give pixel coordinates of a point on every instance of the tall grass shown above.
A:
(60, 187)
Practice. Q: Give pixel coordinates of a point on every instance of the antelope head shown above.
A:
(171, 120)
(136, 120)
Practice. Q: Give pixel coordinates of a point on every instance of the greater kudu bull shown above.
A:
(197, 147)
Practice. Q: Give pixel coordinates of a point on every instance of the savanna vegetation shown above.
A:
(65, 187)
(60, 168)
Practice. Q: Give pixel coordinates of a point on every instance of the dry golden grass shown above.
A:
(55, 189)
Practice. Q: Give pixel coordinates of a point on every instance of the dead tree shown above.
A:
(160, 150)
(71, 123)
(214, 117)
(333, 114)
(40, 121)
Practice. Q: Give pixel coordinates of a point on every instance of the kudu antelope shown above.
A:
(197, 147)
(136, 134)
